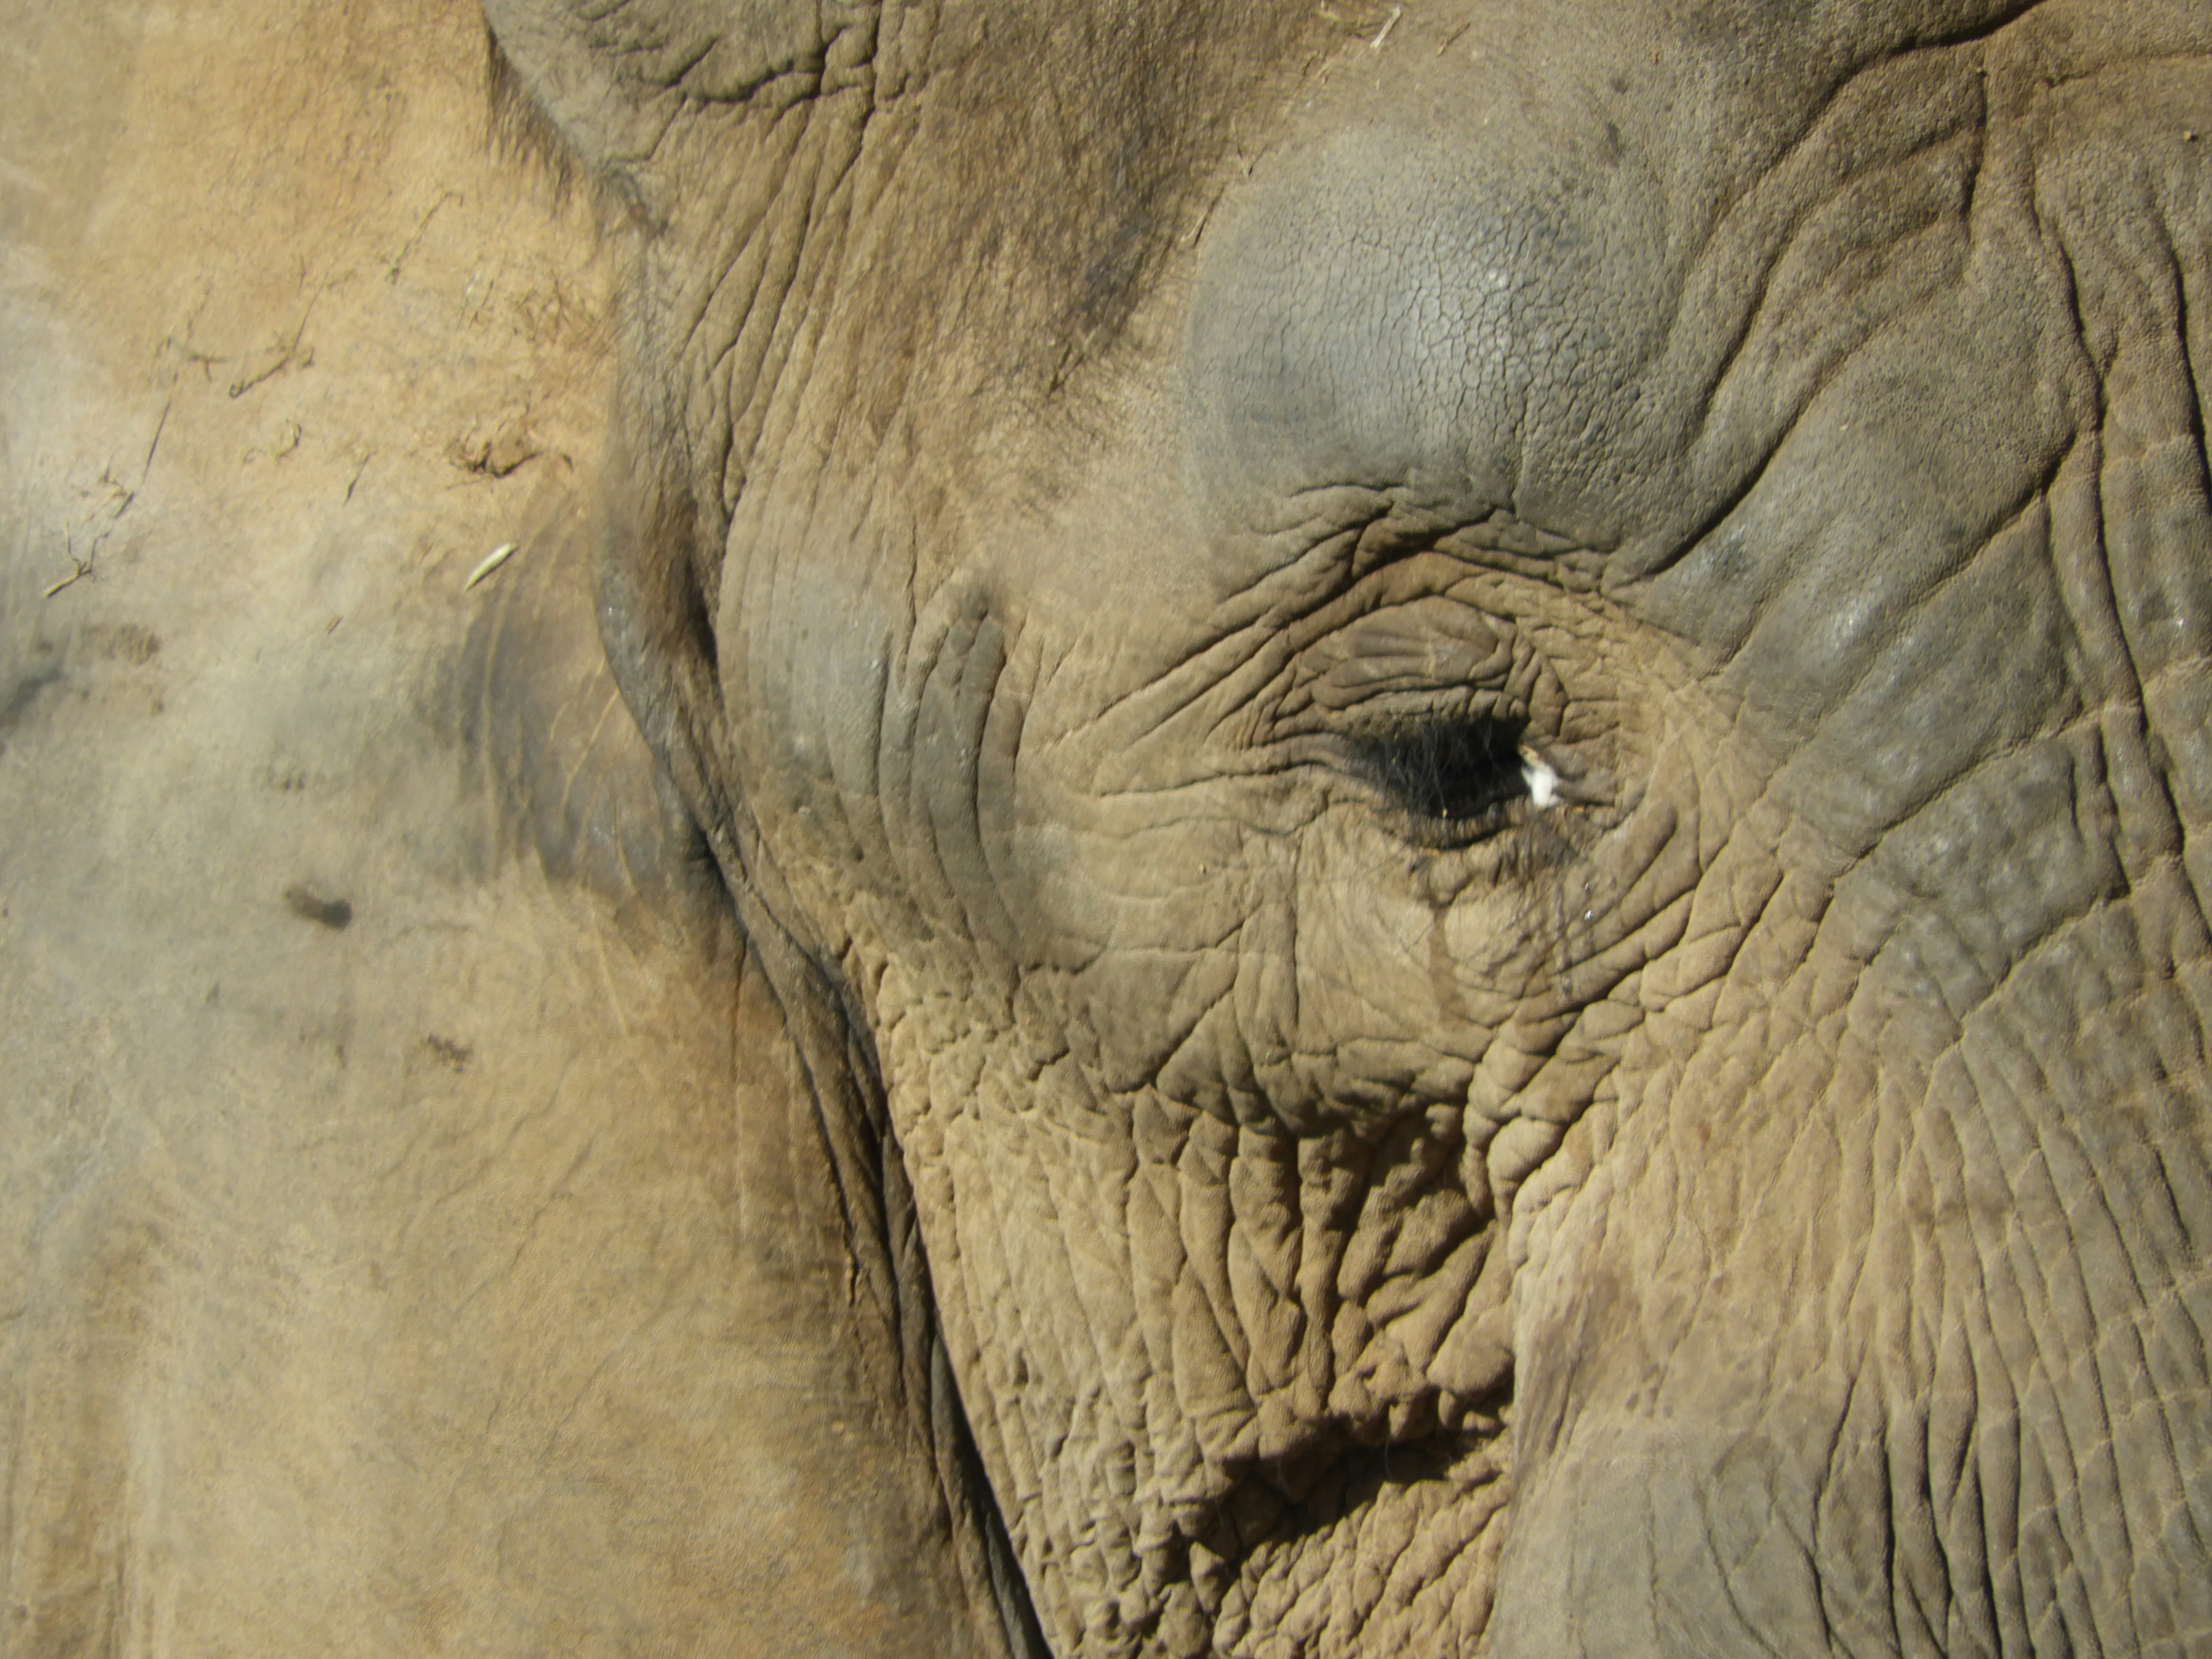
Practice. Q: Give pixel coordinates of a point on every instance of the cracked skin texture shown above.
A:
(1098, 489)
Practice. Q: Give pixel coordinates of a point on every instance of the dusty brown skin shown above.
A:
(1103, 506)
(1130, 510)
(408, 1243)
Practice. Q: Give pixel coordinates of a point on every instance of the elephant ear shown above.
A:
(599, 76)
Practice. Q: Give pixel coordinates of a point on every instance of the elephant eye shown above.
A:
(1453, 776)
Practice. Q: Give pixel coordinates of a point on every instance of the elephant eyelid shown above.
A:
(1453, 776)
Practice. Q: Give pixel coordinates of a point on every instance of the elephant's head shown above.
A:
(1474, 743)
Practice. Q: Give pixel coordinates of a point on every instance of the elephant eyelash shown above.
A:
(1454, 778)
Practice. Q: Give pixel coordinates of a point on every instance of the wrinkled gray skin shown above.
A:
(1485, 728)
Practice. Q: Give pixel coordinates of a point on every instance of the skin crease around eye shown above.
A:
(1456, 777)
(1425, 697)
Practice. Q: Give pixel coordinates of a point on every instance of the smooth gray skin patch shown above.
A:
(564, 775)
(1393, 307)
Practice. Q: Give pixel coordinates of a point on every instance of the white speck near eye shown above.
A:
(1543, 782)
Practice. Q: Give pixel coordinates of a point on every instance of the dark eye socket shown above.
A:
(1454, 775)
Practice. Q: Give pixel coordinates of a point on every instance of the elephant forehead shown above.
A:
(1461, 308)
(1591, 266)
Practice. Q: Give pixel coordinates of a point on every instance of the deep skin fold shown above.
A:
(1809, 1120)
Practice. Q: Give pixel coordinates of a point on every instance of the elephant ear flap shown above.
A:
(595, 82)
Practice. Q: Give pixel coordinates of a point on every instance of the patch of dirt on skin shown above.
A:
(125, 643)
(454, 1057)
(15, 703)
(508, 449)
(335, 913)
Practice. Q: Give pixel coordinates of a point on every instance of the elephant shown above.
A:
(1468, 742)
(407, 1241)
